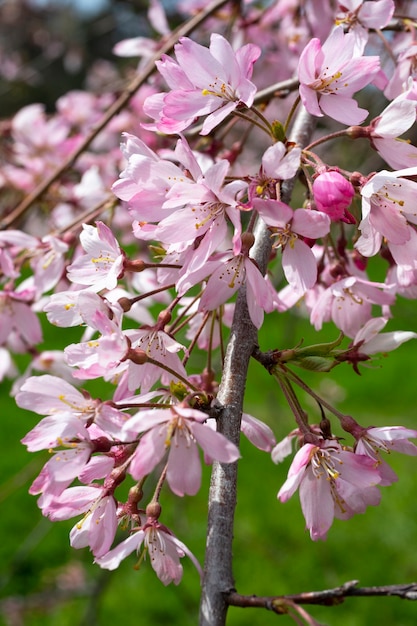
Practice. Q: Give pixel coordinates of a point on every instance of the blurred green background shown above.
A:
(44, 582)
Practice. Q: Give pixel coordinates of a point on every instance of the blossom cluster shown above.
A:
(144, 249)
(338, 481)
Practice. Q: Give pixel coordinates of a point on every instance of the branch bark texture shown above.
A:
(218, 575)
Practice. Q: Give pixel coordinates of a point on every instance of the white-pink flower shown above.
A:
(163, 548)
(331, 73)
(370, 341)
(289, 228)
(388, 205)
(177, 431)
(333, 483)
(102, 264)
(204, 81)
(373, 441)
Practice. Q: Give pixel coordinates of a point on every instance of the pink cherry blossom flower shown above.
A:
(331, 73)
(209, 207)
(333, 483)
(333, 195)
(288, 228)
(65, 465)
(361, 16)
(370, 341)
(17, 315)
(177, 431)
(102, 264)
(373, 441)
(384, 131)
(203, 81)
(348, 302)
(227, 275)
(160, 347)
(388, 204)
(259, 434)
(58, 399)
(98, 527)
(405, 68)
(147, 178)
(163, 548)
(278, 163)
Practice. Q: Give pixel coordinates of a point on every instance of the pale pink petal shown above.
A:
(317, 504)
(184, 466)
(112, 559)
(258, 433)
(299, 265)
(215, 445)
(149, 452)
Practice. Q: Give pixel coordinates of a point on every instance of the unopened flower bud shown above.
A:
(248, 240)
(153, 510)
(164, 318)
(333, 194)
(125, 303)
(135, 266)
(137, 356)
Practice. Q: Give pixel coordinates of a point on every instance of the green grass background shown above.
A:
(45, 582)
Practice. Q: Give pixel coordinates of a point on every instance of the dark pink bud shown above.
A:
(333, 194)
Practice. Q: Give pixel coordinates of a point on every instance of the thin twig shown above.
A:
(327, 597)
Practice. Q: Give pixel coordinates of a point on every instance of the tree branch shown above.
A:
(218, 579)
(327, 597)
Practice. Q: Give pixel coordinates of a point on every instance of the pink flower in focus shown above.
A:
(333, 194)
(331, 73)
(385, 130)
(289, 228)
(203, 81)
(177, 431)
(102, 264)
(98, 527)
(164, 549)
(388, 205)
(333, 483)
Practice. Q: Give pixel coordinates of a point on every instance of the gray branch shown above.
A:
(327, 597)
(218, 579)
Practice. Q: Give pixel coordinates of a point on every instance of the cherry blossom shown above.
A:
(164, 549)
(288, 229)
(177, 431)
(331, 73)
(203, 81)
(333, 483)
(102, 264)
(373, 441)
(369, 340)
(348, 302)
(388, 204)
(361, 16)
(384, 132)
